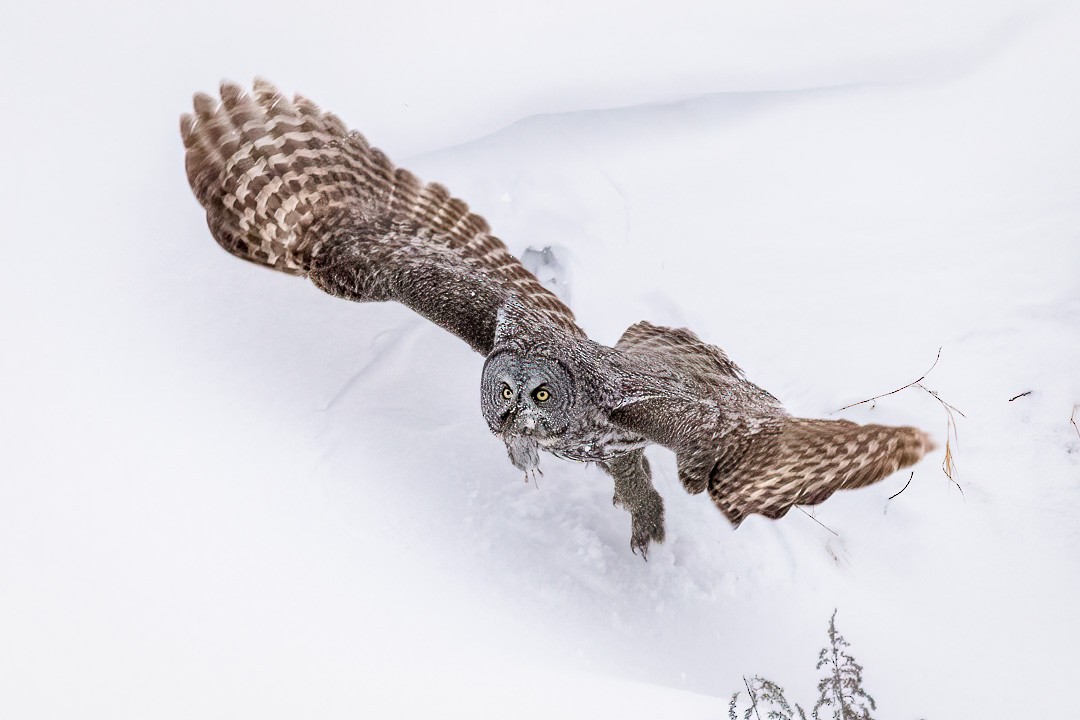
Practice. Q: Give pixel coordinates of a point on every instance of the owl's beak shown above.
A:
(519, 422)
(527, 424)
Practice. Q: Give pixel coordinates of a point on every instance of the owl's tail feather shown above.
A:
(797, 461)
(264, 166)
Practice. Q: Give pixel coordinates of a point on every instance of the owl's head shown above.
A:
(529, 390)
(527, 395)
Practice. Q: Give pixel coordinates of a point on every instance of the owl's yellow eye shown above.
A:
(507, 392)
(542, 395)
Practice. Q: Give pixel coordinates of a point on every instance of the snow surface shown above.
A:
(225, 494)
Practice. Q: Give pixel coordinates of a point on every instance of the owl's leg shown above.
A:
(635, 492)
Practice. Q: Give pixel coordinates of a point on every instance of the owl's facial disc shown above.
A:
(526, 396)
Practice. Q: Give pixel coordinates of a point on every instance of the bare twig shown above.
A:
(816, 520)
(893, 392)
(1072, 419)
(948, 465)
(753, 700)
(905, 485)
(1017, 397)
(910, 478)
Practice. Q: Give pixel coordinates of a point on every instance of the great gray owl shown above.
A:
(289, 187)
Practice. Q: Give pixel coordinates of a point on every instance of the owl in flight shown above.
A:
(290, 187)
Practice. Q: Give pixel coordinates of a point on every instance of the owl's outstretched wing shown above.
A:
(735, 440)
(288, 186)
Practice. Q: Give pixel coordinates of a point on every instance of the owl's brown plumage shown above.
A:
(735, 440)
(267, 169)
(289, 187)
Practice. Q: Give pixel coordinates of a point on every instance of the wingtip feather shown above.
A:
(231, 94)
(187, 127)
(205, 105)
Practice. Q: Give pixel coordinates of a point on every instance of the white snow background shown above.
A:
(224, 494)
